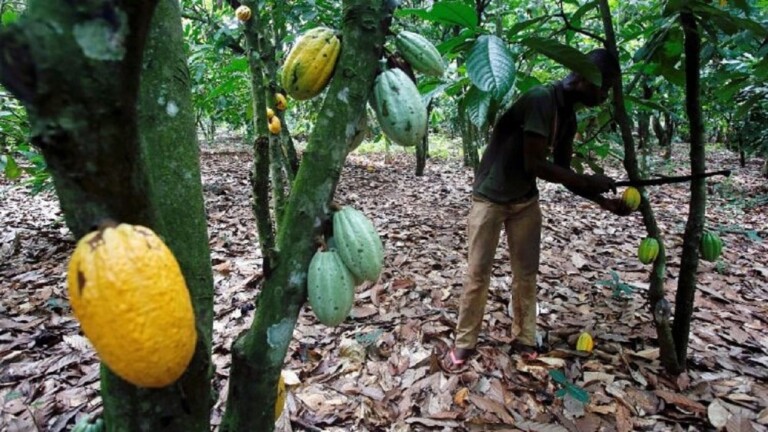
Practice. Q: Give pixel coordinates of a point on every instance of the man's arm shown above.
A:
(536, 163)
(562, 155)
(587, 186)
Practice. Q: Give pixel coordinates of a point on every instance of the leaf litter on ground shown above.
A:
(380, 369)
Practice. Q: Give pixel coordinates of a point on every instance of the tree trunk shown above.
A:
(422, 149)
(689, 262)
(82, 108)
(656, 289)
(259, 354)
(254, 36)
(468, 140)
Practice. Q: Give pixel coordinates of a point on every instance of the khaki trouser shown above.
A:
(522, 224)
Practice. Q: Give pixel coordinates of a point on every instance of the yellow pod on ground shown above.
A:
(585, 342)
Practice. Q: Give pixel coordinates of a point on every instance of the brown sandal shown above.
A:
(451, 363)
(527, 352)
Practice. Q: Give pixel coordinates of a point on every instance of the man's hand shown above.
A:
(597, 184)
(616, 206)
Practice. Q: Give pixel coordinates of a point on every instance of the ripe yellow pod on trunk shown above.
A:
(274, 125)
(129, 295)
(310, 64)
(243, 13)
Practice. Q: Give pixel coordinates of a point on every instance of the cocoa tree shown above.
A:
(689, 262)
(258, 354)
(658, 273)
(121, 149)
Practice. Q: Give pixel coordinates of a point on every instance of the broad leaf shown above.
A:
(490, 65)
(449, 13)
(567, 56)
(522, 25)
(457, 43)
(477, 104)
(746, 106)
(431, 89)
(577, 393)
(558, 376)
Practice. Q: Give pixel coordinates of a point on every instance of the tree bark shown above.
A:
(77, 70)
(689, 262)
(469, 140)
(656, 289)
(80, 92)
(261, 145)
(259, 354)
(422, 149)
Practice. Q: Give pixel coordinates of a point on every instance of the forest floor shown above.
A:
(380, 370)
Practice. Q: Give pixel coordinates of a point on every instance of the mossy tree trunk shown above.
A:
(259, 354)
(255, 31)
(656, 299)
(290, 158)
(689, 262)
(77, 70)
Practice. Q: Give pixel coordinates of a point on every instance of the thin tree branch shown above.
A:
(570, 26)
(672, 179)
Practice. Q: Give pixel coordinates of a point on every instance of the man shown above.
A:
(505, 194)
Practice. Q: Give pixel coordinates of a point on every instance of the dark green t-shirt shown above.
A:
(501, 177)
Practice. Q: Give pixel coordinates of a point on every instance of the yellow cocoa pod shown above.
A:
(310, 63)
(631, 198)
(274, 125)
(281, 103)
(585, 342)
(280, 402)
(270, 113)
(129, 295)
(243, 13)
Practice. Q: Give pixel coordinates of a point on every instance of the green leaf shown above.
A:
(490, 65)
(9, 17)
(746, 106)
(673, 75)
(558, 376)
(522, 25)
(743, 5)
(761, 69)
(477, 103)
(8, 164)
(726, 22)
(430, 89)
(567, 56)
(449, 13)
(457, 43)
(584, 10)
(728, 91)
(578, 393)
(239, 64)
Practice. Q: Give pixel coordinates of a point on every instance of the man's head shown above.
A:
(584, 90)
